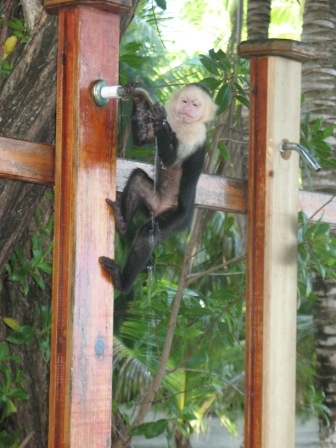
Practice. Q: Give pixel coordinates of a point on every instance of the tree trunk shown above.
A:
(319, 89)
(30, 92)
(258, 19)
(181, 441)
(325, 333)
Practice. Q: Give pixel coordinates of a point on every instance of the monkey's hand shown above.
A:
(158, 116)
(130, 87)
(113, 269)
(118, 217)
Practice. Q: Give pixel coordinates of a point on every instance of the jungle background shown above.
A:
(166, 46)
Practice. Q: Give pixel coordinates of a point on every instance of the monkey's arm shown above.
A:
(150, 122)
(167, 143)
(143, 127)
(191, 171)
(142, 124)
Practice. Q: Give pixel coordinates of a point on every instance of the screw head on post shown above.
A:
(96, 91)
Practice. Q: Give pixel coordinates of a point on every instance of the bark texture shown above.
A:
(325, 343)
(319, 89)
(27, 112)
(319, 76)
(258, 19)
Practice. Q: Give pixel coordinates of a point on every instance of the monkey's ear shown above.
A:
(210, 109)
(174, 97)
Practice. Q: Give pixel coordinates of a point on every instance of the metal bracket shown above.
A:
(102, 92)
(289, 146)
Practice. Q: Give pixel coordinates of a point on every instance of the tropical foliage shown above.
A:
(205, 368)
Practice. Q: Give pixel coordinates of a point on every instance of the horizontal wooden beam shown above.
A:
(34, 162)
(213, 192)
(26, 161)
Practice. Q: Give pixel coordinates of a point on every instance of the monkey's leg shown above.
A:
(143, 245)
(138, 193)
(118, 217)
(113, 269)
(148, 237)
(140, 253)
(141, 250)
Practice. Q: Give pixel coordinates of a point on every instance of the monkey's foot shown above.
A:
(119, 220)
(113, 269)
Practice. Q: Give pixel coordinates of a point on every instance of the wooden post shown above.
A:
(81, 359)
(272, 244)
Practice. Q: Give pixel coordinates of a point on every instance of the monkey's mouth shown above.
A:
(185, 116)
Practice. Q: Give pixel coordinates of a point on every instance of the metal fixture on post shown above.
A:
(102, 93)
(290, 146)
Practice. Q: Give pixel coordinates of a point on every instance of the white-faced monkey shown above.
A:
(180, 131)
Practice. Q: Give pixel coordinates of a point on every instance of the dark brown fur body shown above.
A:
(169, 198)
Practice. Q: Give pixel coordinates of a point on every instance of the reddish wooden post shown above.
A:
(81, 360)
(272, 244)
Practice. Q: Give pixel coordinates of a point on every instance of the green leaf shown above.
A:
(46, 267)
(221, 58)
(151, 429)
(39, 280)
(12, 408)
(21, 337)
(224, 96)
(211, 83)
(11, 323)
(8, 380)
(50, 195)
(19, 394)
(228, 223)
(15, 24)
(243, 100)
(19, 275)
(188, 413)
(20, 255)
(161, 4)
(188, 333)
(209, 65)
(223, 150)
(328, 131)
(4, 352)
(37, 245)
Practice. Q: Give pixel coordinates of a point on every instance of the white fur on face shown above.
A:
(187, 112)
(190, 105)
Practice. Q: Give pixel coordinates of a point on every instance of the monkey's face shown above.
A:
(190, 105)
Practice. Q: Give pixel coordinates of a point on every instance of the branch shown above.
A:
(32, 10)
(322, 207)
(192, 277)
